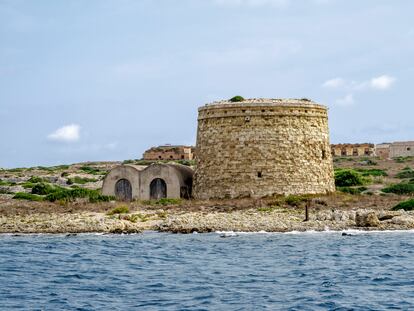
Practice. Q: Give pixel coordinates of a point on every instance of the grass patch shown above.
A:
(403, 159)
(371, 172)
(69, 195)
(402, 188)
(80, 180)
(121, 209)
(92, 170)
(406, 173)
(405, 205)
(352, 190)
(52, 168)
(27, 196)
(162, 202)
(7, 183)
(295, 200)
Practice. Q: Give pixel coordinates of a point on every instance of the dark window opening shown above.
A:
(159, 157)
(323, 154)
(408, 149)
(182, 157)
(259, 174)
(171, 156)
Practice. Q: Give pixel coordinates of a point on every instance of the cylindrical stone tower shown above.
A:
(262, 147)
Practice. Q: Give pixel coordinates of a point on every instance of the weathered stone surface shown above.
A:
(369, 219)
(261, 147)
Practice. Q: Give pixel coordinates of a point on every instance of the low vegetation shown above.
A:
(295, 200)
(371, 172)
(236, 98)
(401, 188)
(27, 196)
(80, 180)
(70, 195)
(163, 202)
(403, 159)
(92, 170)
(405, 205)
(121, 209)
(352, 190)
(349, 178)
(406, 173)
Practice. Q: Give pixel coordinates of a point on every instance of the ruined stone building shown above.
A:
(169, 152)
(262, 147)
(383, 150)
(355, 150)
(129, 182)
(401, 149)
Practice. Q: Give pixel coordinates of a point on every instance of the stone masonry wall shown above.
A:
(258, 148)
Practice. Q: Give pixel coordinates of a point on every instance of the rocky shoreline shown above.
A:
(247, 220)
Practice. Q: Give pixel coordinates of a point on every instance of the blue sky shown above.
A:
(105, 80)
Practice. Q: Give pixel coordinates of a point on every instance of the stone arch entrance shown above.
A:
(158, 189)
(123, 190)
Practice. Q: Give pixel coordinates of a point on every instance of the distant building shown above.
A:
(355, 150)
(401, 149)
(169, 152)
(383, 150)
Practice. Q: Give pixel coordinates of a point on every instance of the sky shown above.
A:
(107, 79)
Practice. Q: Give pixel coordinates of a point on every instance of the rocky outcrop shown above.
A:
(369, 219)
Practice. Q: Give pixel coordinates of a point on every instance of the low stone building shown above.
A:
(401, 149)
(169, 152)
(131, 182)
(353, 150)
(383, 150)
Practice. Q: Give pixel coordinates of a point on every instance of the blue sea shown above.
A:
(159, 271)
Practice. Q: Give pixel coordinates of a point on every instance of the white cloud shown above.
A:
(383, 82)
(67, 133)
(348, 100)
(334, 83)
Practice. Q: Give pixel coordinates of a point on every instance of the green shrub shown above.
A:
(27, 185)
(405, 173)
(121, 209)
(350, 190)
(35, 179)
(80, 180)
(371, 172)
(27, 196)
(69, 195)
(237, 98)
(346, 178)
(44, 189)
(402, 188)
(405, 205)
(295, 200)
(64, 174)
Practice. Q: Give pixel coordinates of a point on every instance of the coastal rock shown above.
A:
(369, 219)
(405, 220)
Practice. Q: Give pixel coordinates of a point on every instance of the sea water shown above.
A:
(217, 271)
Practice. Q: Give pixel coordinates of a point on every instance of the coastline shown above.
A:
(32, 217)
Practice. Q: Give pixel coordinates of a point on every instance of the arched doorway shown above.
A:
(158, 189)
(123, 190)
